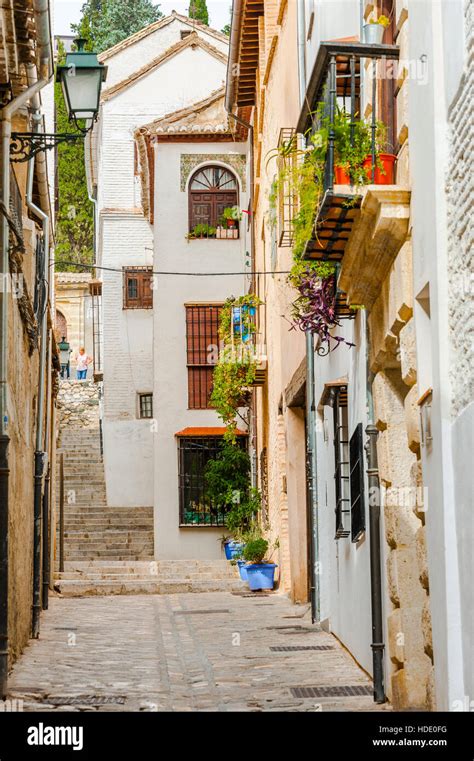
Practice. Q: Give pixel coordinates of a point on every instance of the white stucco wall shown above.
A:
(174, 253)
(124, 62)
(345, 566)
(440, 38)
(126, 238)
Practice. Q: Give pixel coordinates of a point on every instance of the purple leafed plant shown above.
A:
(315, 309)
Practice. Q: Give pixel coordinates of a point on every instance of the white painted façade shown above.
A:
(162, 159)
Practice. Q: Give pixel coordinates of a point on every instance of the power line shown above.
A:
(186, 274)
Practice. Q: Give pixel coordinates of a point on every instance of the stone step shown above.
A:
(108, 554)
(91, 576)
(73, 588)
(74, 525)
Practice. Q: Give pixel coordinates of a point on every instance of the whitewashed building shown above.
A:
(162, 131)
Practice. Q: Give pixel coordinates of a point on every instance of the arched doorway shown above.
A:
(60, 328)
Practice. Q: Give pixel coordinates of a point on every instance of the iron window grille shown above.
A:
(137, 290)
(202, 345)
(287, 202)
(145, 404)
(341, 462)
(195, 506)
(356, 452)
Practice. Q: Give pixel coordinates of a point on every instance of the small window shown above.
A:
(212, 190)
(195, 506)
(137, 291)
(145, 405)
(341, 462)
(356, 452)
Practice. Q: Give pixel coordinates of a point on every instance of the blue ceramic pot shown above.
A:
(242, 569)
(261, 575)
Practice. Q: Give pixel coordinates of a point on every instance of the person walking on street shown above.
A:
(83, 362)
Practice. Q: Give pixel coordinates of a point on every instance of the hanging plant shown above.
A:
(236, 369)
(315, 307)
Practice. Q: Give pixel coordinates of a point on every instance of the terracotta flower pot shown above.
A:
(385, 177)
(341, 177)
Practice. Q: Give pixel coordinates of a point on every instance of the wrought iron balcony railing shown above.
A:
(337, 92)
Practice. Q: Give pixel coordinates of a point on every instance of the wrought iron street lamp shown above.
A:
(81, 80)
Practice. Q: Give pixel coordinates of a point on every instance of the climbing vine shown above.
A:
(237, 364)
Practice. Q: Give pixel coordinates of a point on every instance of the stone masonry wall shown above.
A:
(78, 404)
(393, 359)
(460, 190)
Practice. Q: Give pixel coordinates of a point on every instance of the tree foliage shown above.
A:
(198, 11)
(74, 221)
(104, 23)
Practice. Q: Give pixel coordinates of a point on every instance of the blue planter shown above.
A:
(261, 575)
(232, 549)
(242, 569)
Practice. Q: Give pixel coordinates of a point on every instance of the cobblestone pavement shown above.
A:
(184, 652)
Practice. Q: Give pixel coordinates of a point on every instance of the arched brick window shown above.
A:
(211, 190)
(61, 325)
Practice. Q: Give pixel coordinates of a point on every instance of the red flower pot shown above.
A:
(231, 223)
(340, 176)
(387, 177)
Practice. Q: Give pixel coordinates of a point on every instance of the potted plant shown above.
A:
(202, 230)
(260, 574)
(230, 216)
(374, 31)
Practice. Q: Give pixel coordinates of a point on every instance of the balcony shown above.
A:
(247, 344)
(361, 218)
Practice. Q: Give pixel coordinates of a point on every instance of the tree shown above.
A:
(74, 220)
(104, 23)
(198, 11)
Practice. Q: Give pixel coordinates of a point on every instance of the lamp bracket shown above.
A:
(25, 145)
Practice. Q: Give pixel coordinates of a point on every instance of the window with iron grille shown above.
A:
(211, 190)
(356, 451)
(202, 343)
(137, 291)
(145, 403)
(341, 462)
(195, 506)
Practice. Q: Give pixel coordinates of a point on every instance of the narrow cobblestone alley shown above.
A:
(186, 652)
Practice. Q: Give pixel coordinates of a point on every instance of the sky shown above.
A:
(69, 11)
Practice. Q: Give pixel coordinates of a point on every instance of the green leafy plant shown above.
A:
(236, 368)
(202, 230)
(227, 476)
(242, 515)
(255, 550)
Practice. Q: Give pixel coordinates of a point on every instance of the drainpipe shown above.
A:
(377, 644)
(40, 454)
(312, 466)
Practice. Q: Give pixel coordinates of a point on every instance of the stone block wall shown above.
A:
(78, 404)
(393, 359)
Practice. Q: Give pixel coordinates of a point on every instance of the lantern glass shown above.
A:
(81, 89)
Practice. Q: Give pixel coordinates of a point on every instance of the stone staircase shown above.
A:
(109, 550)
